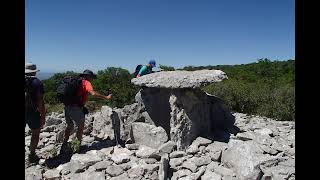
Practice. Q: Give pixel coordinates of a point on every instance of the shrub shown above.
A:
(59, 108)
(256, 98)
(166, 68)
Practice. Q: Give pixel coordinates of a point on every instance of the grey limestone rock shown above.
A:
(180, 79)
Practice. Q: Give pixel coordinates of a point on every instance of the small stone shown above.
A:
(264, 131)
(200, 141)
(189, 165)
(114, 170)
(102, 165)
(52, 175)
(132, 146)
(192, 149)
(177, 154)
(174, 163)
(211, 176)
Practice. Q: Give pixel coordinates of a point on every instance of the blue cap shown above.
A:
(152, 62)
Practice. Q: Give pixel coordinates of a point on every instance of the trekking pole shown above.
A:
(115, 76)
(114, 128)
(113, 121)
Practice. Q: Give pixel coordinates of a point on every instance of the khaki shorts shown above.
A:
(74, 115)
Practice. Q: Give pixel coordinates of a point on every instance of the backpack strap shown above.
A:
(29, 104)
(79, 99)
(29, 80)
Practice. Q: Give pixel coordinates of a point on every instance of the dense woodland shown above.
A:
(264, 88)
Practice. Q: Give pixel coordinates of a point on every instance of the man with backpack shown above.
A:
(74, 106)
(146, 69)
(34, 107)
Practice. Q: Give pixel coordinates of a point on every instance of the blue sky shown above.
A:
(79, 34)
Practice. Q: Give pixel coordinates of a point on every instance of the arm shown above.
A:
(142, 71)
(42, 110)
(95, 94)
(39, 91)
(98, 95)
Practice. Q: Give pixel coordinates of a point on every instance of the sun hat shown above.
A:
(152, 62)
(88, 72)
(30, 68)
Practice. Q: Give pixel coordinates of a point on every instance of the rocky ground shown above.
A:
(263, 149)
(174, 130)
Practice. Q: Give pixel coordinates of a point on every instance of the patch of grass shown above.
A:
(53, 152)
(74, 145)
(71, 147)
(59, 108)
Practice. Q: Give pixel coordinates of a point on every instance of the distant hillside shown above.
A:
(44, 75)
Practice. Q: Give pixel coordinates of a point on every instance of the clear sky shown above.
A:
(79, 34)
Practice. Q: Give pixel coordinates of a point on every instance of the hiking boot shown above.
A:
(33, 158)
(83, 148)
(64, 147)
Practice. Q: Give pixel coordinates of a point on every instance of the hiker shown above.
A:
(75, 112)
(34, 107)
(146, 69)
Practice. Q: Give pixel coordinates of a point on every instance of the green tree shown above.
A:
(166, 68)
(118, 82)
(263, 88)
(51, 84)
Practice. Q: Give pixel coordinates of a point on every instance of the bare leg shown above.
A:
(67, 133)
(80, 131)
(34, 140)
